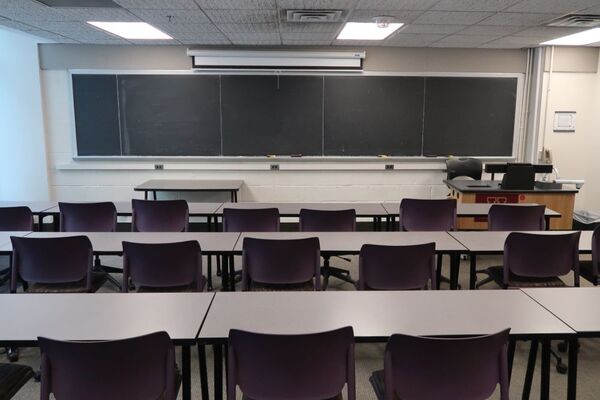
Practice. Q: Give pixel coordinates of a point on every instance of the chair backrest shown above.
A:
(422, 368)
(250, 220)
(162, 265)
(427, 215)
(16, 219)
(51, 260)
(159, 215)
(88, 217)
(327, 220)
(505, 217)
(312, 367)
(281, 262)
(396, 267)
(459, 167)
(137, 368)
(541, 255)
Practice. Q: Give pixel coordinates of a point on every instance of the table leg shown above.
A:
(224, 273)
(388, 223)
(512, 344)
(547, 220)
(530, 369)
(154, 194)
(145, 195)
(232, 274)
(545, 378)
(454, 269)
(218, 366)
(56, 222)
(473, 271)
(186, 385)
(209, 272)
(572, 378)
(203, 371)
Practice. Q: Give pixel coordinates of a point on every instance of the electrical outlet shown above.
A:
(274, 167)
(159, 166)
(389, 166)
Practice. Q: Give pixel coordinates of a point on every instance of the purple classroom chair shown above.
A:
(163, 267)
(590, 270)
(14, 219)
(424, 368)
(429, 215)
(290, 264)
(12, 378)
(91, 217)
(310, 367)
(397, 267)
(329, 221)
(137, 368)
(159, 215)
(247, 220)
(54, 265)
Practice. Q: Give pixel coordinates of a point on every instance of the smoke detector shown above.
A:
(383, 21)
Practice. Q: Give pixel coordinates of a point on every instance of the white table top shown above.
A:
(101, 316)
(470, 209)
(351, 242)
(189, 185)
(293, 209)
(378, 314)
(493, 242)
(576, 307)
(111, 242)
(5, 244)
(124, 208)
(35, 206)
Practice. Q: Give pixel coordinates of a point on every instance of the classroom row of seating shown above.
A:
(310, 366)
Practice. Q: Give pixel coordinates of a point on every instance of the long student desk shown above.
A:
(191, 185)
(465, 210)
(486, 242)
(375, 316)
(105, 316)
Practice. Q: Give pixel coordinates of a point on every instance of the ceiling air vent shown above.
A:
(577, 21)
(314, 15)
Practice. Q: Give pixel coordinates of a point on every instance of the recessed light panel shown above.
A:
(577, 39)
(131, 30)
(367, 31)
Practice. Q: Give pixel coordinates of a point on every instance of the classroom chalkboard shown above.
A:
(469, 116)
(163, 115)
(372, 115)
(271, 114)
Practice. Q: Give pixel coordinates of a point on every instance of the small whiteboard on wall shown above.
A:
(564, 121)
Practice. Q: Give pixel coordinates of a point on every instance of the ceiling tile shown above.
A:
(480, 39)
(552, 6)
(237, 4)
(316, 4)
(175, 29)
(454, 45)
(204, 41)
(549, 32)
(515, 41)
(499, 45)
(309, 27)
(395, 4)
(177, 16)
(17, 25)
(405, 44)
(308, 36)
(98, 14)
(238, 38)
(491, 30)
(242, 16)
(252, 28)
(366, 43)
(518, 19)
(55, 26)
(473, 5)
(439, 29)
(156, 42)
(106, 41)
(256, 42)
(159, 4)
(52, 36)
(301, 42)
(31, 12)
(399, 15)
(451, 18)
(415, 37)
(591, 10)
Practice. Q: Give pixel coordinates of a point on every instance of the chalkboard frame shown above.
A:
(518, 130)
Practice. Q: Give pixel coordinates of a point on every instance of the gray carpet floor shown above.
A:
(369, 357)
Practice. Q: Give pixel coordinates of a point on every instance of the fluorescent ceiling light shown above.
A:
(131, 30)
(577, 39)
(367, 31)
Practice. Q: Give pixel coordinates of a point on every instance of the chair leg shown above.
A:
(561, 367)
(438, 271)
(530, 369)
(12, 354)
(203, 371)
(325, 273)
(99, 267)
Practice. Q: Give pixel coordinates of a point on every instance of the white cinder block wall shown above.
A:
(114, 180)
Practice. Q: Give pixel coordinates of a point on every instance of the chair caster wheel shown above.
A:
(37, 376)
(12, 354)
(562, 347)
(561, 368)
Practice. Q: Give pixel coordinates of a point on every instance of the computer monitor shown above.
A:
(518, 177)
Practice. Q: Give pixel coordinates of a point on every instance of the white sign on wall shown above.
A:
(564, 121)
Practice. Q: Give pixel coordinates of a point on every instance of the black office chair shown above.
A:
(461, 167)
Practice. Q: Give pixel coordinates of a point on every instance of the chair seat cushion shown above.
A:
(267, 287)
(497, 274)
(587, 272)
(174, 289)
(12, 378)
(98, 279)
